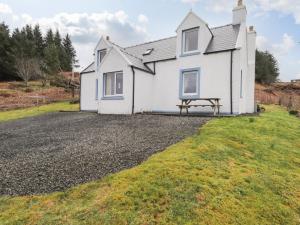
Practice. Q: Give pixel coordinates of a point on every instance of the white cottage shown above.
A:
(199, 62)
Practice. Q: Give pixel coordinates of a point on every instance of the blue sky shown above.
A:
(128, 22)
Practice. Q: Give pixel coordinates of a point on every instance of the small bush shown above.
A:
(75, 101)
(251, 120)
(29, 90)
(59, 81)
(294, 112)
(260, 109)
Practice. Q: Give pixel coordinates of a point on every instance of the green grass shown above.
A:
(241, 170)
(34, 111)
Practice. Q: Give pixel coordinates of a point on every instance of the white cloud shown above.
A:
(190, 1)
(261, 43)
(218, 6)
(143, 19)
(290, 7)
(285, 46)
(85, 29)
(278, 49)
(5, 9)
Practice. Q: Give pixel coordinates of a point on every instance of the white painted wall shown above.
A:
(250, 98)
(88, 100)
(114, 62)
(143, 91)
(214, 81)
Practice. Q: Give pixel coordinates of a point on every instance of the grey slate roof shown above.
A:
(225, 38)
(90, 68)
(162, 49)
(136, 61)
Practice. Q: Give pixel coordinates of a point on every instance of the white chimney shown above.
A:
(239, 13)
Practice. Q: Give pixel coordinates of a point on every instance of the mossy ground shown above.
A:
(243, 170)
(38, 110)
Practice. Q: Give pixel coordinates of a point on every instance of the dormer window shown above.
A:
(190, 40)
(148, 51)
(101, 55)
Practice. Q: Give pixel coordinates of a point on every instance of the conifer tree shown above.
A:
(39, 42)
(70, 53)
(267, 69)
(6, 54)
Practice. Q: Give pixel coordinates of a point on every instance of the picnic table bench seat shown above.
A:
(214, 103)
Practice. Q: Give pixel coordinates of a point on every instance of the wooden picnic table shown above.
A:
(214, 103)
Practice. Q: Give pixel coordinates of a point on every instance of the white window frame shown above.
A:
(196, 72)
(184, 40)
(99, 59)
(115, 76)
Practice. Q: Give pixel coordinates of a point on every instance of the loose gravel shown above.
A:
(56, 151)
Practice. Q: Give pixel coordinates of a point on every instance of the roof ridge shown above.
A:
(149, 42)
(230, 24)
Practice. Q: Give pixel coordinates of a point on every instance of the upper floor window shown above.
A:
(101, 54)
(190, 40)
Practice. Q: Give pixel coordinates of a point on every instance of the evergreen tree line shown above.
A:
(267, 69)
(27, 54)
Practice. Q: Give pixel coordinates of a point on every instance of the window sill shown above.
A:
(184, 97)
(113, 98)
(190, 54)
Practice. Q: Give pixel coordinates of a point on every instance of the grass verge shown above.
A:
(38, 110)
(235, 171)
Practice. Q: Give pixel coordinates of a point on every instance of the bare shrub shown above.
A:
(27, 68)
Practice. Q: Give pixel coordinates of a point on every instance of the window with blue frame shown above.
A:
(189, 83)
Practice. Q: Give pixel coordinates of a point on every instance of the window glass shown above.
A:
(119, 83)
(109, 83)
(191, 40)
(113, 84)
(101, 55)
(190, 82)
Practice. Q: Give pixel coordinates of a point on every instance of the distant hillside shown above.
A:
(283, 93)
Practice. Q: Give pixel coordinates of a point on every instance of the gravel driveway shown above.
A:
(56, 151)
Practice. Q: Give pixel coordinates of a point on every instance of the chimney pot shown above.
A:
(240, 2)
(107, 38)
(251, 28)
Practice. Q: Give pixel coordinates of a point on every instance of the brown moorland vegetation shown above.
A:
(14, 95)
(282, 93)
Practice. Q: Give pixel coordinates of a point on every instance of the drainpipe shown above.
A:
(133, 89)
(231, 70)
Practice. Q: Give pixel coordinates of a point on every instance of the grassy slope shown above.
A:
(34, 111)
(235, 171)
